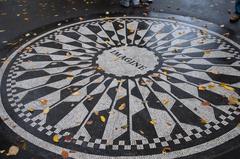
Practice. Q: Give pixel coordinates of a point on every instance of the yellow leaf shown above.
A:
(227, 87)
(56, 138)
(43, 101)
(165, 73)
(153, 122)
(46, 110)
(165, 101)
(122, 106)
(13, 150)
(203, 121)
(211, 85)
(103, 119)
(31, 109)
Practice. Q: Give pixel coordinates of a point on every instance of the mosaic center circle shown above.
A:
(127, 61)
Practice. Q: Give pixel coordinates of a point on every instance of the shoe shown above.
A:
(234, 18)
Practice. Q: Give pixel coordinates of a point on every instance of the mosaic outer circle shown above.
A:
(185, 103)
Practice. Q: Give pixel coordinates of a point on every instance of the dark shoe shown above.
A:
(234, 18)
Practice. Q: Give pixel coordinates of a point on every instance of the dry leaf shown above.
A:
(205, 103)
(31, 109)
(103, 119)
(166, 150)
(122, 106)
(201, 88)
(77, 93)
(13, 151)
(70, 77)
(90, 122)
(124, 126)
(233, 100)
(46, 110)
(141, 132)
(64, 154)
(2, 151)
(203, 121)
(211, 86)
(96, 113)
(153, 122)
(43, 101)
(165, 101)
(156, 75)
(56, 138)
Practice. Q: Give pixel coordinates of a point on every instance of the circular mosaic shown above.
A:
(126, 87)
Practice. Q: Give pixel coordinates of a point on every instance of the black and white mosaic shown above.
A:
(126, 87)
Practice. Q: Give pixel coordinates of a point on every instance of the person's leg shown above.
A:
(136, 2)
(125, 3)
(237, 7)
(236, 17)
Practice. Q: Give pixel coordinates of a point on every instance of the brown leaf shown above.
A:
(43, 101)
(203, 121)
(166, 150)
(64, 154)
(205, 103)
(90, 122)
(46, 110)
(233, 100)
(201, 87)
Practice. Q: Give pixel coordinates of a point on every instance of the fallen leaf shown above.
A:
(153, 122)
(13, 151)
(124, 126)
(166, 150)
(77, 93)
(90, 122)
(56, 138)
(103, 119)
(165, 101)
(211, 86)
(233, 100)
(2, 151)
(156, 75)
(141, 132)
(205, 103)
(70, 77)
(203, 121)
(46, 110)
(227, 87)
(67, 138)
(96, 113)
(165, 73)
(201, 88)
(43, 101)
(89, 98)
(122, 106)
(64, 154)
(30, 109)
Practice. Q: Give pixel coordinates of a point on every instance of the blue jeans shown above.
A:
(127, 2)
(237, 7)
